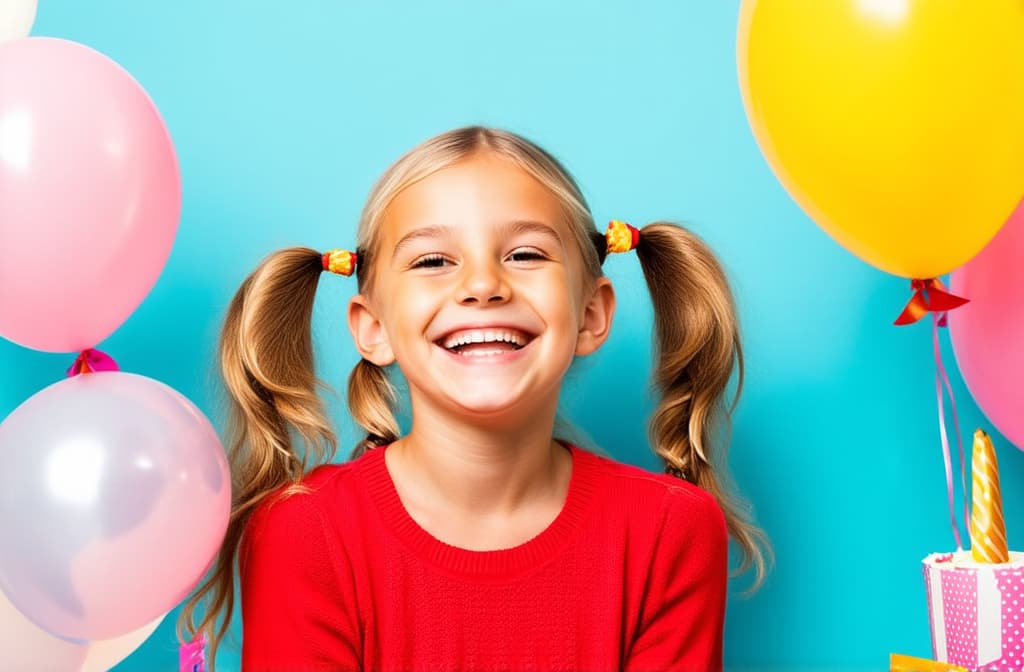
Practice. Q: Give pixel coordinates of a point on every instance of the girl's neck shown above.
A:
(446, 467)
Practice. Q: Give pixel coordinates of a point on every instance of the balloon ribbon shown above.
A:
(191, 655)
(92, 361)
(930, 296)
(942, 380)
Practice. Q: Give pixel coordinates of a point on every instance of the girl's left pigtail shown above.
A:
(697, 350)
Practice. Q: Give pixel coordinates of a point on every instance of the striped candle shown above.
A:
(988, 531)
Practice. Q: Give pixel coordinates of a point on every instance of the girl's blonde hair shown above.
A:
(277, 420)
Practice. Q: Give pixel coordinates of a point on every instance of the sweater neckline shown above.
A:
(502, 563)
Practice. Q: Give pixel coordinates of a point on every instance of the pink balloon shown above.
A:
(114, 499)
(89, 194)
(988, 332)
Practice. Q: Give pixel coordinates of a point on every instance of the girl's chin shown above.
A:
(490, 405)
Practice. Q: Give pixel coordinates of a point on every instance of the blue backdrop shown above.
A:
(283, 114)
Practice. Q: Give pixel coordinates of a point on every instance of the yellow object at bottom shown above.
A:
(901, 663)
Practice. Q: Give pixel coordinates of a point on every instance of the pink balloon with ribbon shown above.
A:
(988, 332)
(90, 194)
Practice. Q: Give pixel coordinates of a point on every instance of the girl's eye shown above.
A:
(429, 261)
(526, 254)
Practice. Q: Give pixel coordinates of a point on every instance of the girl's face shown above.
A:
(479, 292)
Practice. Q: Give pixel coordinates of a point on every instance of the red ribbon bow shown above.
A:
(930, 296)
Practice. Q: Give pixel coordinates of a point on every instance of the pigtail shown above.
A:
(266, 354)
(697, 348)
(371, 401)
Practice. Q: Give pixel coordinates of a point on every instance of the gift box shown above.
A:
(976, 611)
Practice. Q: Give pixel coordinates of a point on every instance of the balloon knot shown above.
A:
(91, 360)
(930, 296)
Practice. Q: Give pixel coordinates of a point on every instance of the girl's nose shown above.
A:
(483, 283)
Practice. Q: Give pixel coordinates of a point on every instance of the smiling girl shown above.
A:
(479, 540)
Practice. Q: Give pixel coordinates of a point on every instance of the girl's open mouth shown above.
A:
(485, 342)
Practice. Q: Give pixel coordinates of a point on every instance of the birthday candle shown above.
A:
(988, 531)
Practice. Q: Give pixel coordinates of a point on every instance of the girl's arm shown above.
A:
(683, 613)
(297, 611)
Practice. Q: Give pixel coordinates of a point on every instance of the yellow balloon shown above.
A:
(897, 125)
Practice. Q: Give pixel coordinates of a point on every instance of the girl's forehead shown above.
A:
(480, 190)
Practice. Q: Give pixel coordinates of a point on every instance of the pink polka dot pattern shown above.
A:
(959, 611)
(931, 616)
(1011, 590)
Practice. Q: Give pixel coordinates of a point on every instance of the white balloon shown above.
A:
(28, 648)
(104, 654)
(16, 18)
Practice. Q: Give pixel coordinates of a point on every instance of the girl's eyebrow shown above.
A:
(436, 231)
(513, 227)
(518, 226)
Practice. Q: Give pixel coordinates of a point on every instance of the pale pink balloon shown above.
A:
(90, 194)
(988, 332)
(114, 499)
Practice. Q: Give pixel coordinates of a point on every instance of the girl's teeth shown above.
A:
(481, 353)
(472, 337)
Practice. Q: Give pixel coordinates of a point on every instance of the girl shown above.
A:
(479, 540)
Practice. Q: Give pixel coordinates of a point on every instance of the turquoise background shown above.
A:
(283, 114)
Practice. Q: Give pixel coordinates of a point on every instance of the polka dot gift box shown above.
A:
(976, 597)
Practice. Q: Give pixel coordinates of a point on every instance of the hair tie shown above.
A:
(621, 236)
(339, 261)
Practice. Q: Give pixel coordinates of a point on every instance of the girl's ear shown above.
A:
(368, 333)
(597, 317)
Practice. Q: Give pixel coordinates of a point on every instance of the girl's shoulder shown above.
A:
(637, 478)
(641, 492)
(657, 512)
(319, 489)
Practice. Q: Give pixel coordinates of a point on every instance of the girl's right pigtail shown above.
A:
(266, 355)
(697, 349)
(371, 401)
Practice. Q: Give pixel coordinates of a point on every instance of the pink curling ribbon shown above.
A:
(939, 320)
(91, 361)
(192, 655)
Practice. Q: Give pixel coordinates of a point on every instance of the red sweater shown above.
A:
(630, 575)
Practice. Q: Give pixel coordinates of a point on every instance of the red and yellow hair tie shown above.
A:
(621, 236)
(339, 261)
